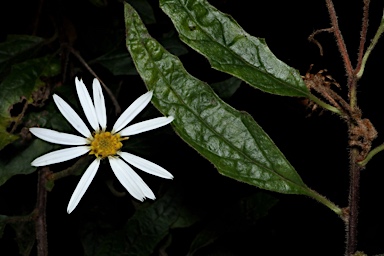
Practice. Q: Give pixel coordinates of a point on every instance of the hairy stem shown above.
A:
(364, 29)
(327, 202)
(375, 39)
(354, 191)
(339, 38)
(351, 221)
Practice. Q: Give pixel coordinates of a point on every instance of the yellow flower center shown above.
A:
(105, 144)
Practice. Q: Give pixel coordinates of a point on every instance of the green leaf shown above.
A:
(230, 49)
(20, 85)
(119, 62)
(230, 139)
(21, 162)
(17, 47)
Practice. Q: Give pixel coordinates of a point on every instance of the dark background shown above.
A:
(314, 142)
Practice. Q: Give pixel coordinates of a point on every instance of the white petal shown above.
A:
(59, 156)
(83, 185)
(130, 180)
(146, 126)
(87, 104)
(132, 111)
(146, 165)
(71, 116)
(98, 99)
(58, 137)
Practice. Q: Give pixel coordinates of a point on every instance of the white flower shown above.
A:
(101, 143)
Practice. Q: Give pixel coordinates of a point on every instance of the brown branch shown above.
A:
(363, 35)
(40, 222)
(339, 39)
(312, 39)
(354, 191)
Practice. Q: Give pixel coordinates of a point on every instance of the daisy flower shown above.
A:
(101, 143)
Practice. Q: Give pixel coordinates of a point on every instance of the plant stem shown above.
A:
(327, 203)
(324, 105)
(40, 222)
(375, 39)
(339, 38)
(354, 191)
(354, 172)
(371, 154)
(364, 29)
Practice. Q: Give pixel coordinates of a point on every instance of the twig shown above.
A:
(372, 45)
(40, 222)
(312, 39)
(364, 29)
(339, 38)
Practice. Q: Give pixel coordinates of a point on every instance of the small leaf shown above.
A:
(230, 49)
(230, 139)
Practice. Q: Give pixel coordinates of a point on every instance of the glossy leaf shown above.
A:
(20, 85)
(230, 49)
(230, 139)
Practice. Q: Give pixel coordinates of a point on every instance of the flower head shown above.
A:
(101, 143)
